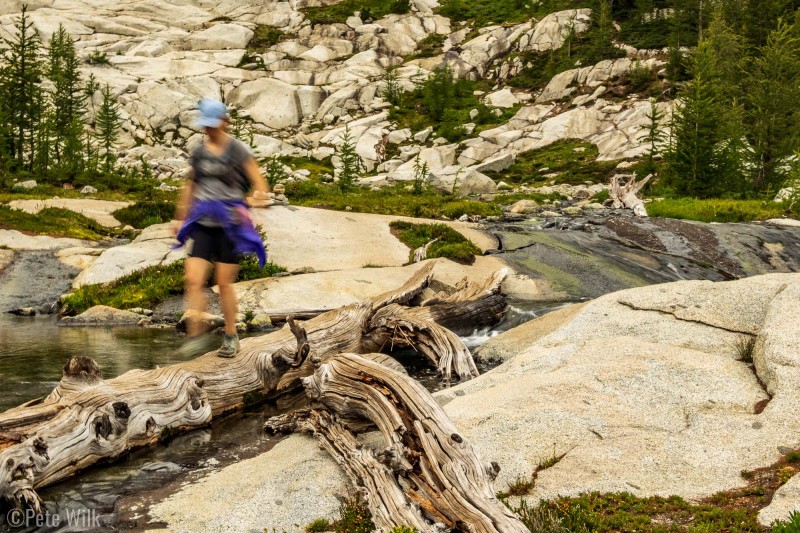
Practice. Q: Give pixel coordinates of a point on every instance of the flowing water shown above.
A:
(34, 349)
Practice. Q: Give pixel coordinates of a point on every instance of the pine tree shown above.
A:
(602, 37)
(22, 92)
(108, 123)
(693, 158)
(349, 162)
(654, 136)
(438, 92)
(69, 104)
(773, 90)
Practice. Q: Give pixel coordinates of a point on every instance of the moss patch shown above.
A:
(54, 222)
(568, 161)
(449, 242)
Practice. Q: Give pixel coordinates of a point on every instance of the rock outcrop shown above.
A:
(644, 391)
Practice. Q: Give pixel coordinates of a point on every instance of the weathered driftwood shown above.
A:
(625, 194)
(87, 419)
(428, 476)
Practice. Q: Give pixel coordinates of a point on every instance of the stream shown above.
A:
(34, 349)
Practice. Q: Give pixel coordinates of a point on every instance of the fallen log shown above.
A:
(428, 476)
(625, 195)
(88, 419)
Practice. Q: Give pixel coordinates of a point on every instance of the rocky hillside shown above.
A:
(298, 85)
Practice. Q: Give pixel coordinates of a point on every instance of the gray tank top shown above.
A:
(220, 177)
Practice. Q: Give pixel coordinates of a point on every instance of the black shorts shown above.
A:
(213, 245)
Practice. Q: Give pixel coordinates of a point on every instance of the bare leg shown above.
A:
(225, 277)
(197, 272)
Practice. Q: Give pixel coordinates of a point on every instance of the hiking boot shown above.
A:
(230, 346)
(195, 346)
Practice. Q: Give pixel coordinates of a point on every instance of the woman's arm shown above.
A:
(257, 182)
(185, 201)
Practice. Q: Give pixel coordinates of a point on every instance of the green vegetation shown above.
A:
(717, 210)
(354, 517)
(146, 213)
(574, 161)
(584, 49)
(735, 128)
(790, 526)
(264, 37)
(444, 103)
(350, 165)
(145, 288)
(488, 12)
(316, 168)
(369, 9)
(394, 200)
(448, 243)
(54, 222)
(319, 525)
(149, 287)
(430, 46)
(45, 128)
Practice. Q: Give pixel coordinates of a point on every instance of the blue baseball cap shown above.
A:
(213, 113)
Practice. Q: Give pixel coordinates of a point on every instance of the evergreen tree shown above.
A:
(69, 104)
(22, 93)
(773, 90)
(438, 92)
(108, 124)
(602, 37)
(693, 157)
(349, 162)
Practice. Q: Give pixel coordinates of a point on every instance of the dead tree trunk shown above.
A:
(625, 195)
(428, 477)
(87, 419)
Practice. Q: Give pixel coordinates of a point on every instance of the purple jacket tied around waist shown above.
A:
(244, 236)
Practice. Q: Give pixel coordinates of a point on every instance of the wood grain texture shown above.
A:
(87, 419)
(428, 476)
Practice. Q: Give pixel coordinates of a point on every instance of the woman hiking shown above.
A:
(214, 215)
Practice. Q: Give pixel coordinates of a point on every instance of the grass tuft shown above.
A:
(716, 210)
(744, 349)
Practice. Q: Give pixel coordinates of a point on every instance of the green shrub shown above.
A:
(430, 46)
(354, 517)
(369, 9)
(264, 37)
(449, 242)
(146, 213)
(487, 12)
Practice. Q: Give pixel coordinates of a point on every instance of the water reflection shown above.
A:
(34, 350)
